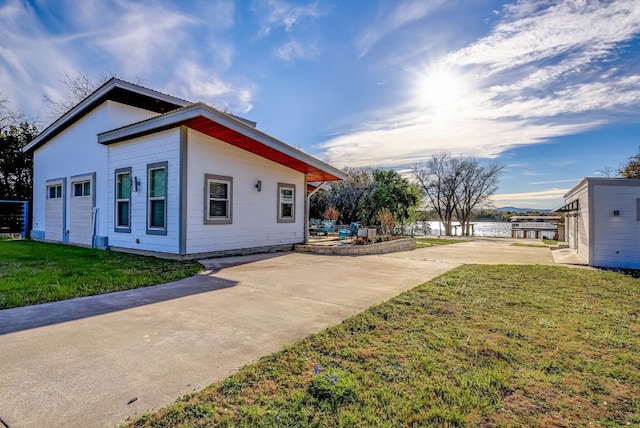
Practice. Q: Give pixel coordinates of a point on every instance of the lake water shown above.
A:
(484, 228)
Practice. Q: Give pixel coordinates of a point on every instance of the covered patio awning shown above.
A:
(571, 206)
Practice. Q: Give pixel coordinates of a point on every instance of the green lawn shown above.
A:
(479, 346)
(430, 242)
(35, 272)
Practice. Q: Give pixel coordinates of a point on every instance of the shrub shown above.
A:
(387, 220)
(331, 214)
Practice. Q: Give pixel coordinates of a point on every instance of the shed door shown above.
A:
(81, 203)
(55, 210)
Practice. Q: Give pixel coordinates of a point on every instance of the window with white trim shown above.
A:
(218, 199)
(157, 198)
(82, 188)
(54, 191)
(286, 203)
(123, 200)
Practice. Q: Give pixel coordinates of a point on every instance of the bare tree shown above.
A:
(608, 171)
(77, 88)
(439, 179)
(8, 116)
(477, 185)
(456, 185)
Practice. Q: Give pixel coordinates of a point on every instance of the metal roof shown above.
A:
(571, 206)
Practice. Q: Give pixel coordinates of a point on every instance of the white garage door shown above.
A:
(55, 210)
(81, 204)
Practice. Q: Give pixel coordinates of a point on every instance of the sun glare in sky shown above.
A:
(441, 92)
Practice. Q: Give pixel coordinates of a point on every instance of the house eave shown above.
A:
(231, 130)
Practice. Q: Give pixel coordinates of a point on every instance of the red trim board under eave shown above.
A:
(237, 139)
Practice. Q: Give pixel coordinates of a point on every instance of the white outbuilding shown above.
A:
(133, 169)
(603, 221)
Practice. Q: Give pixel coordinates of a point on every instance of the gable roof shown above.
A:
(115, 90)
(231, 130)
(174, 112)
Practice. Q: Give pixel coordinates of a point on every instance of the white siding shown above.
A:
(577, 223)
(254, 219)
(75, 151)
(616, 239)
(137, 154)
(583, 223)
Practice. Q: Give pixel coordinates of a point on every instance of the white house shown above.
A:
(133, 169)
(603, 221)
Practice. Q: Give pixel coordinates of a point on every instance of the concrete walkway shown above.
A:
(96, 361)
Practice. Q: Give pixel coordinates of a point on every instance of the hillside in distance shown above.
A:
(521, 210)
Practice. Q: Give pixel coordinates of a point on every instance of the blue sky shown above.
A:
(549, 88)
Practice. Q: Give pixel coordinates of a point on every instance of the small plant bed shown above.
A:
(430, 242)
(355, 248)
(478, 346)
(634, 273)
(35, 272)
(550, 242)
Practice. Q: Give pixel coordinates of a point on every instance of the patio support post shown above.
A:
(307, 207)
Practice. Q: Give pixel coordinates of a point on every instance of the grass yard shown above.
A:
(479, 346)
(35, 272)
(430, 242)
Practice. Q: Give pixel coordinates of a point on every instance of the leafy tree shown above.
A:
(388, 190)
(16, 168)
(632, 168)
(319, 203)
(343, 195)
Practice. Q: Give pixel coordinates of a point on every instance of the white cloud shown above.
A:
(549, 198)
(535, 31)
(138, 41)
(293, 50)
(408, 141)
(403, 13)
(279, 13)
(571, 180)
(30, 58)
(142, 36)
(197, 84)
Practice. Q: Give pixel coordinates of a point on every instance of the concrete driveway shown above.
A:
(96, 361)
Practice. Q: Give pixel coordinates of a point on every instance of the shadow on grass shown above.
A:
(28, 317)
